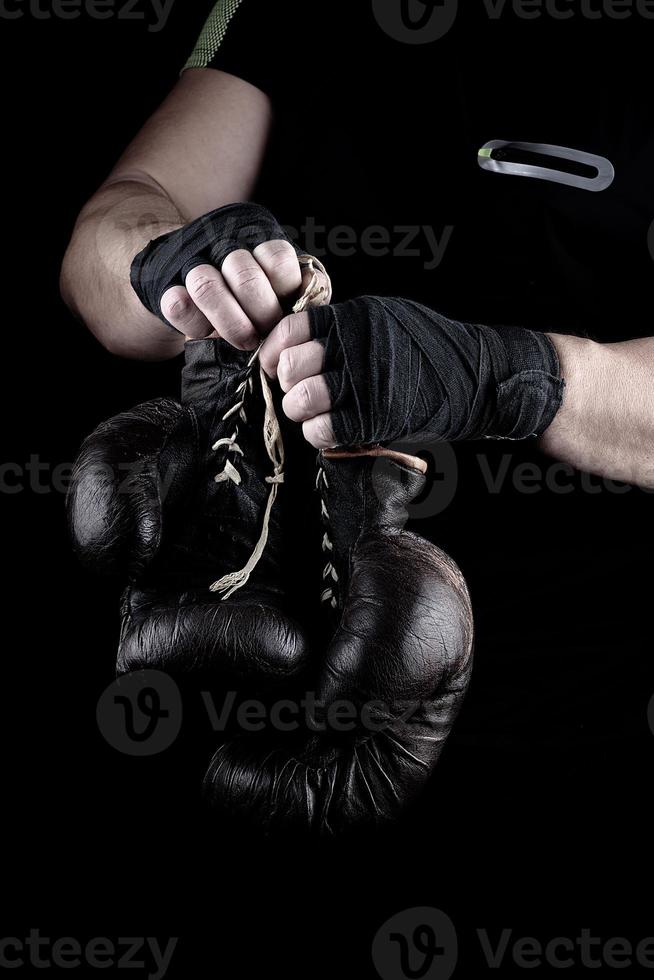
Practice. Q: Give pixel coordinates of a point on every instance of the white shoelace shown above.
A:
(272, 436)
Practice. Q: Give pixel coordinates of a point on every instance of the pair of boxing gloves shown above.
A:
(186, 500)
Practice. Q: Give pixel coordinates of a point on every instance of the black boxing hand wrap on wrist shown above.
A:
(166, 261)
(395, 369)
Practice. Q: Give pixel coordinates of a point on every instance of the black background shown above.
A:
(539, 819)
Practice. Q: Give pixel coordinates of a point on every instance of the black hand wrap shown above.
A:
(166, 261)
(396, 369)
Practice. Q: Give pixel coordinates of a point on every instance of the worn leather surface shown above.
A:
(174, 530)
(398, 650)
(394, 643)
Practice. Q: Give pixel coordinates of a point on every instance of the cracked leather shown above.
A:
(397, 647)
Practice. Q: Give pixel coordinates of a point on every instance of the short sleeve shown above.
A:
(251, 39)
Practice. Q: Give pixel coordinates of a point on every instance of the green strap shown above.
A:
(213, 34)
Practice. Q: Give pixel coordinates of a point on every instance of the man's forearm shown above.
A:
(203, 148)
(606, 422)
(116, 224)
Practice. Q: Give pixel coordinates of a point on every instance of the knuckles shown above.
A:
(284, 267)
(278, 255)
(286, 368)
(177, 305)
(319, 433)
(304, 396)
(248, 275)
(239, 333)
(285, 330)
(203, 287)
(280, 339)
(301, 402)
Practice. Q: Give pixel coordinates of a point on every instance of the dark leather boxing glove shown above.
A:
(181, 498)
(166, 261)
(128, 472)
(398, 370)
(397, 665)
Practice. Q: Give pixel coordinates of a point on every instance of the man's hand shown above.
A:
(290, 355)
(201, 149)
(226, 273)
(241, 301)
(379, 370)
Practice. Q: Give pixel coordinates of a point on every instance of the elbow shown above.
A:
(117, 323)
(129, 349)
(133, 341)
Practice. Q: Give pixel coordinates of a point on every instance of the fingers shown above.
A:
(252, 289)
(290, 354)
(297, 363)
(211, 294)
(280, 264)
(241, 302)
(319, 433)
(182, 313)
(209, 302)
(289, 332)
(308, 398)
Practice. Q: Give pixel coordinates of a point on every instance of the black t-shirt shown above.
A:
(374, 162)
(377, 135)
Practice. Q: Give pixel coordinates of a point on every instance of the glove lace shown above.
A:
(229, 471)
(274, 444)
(314, 293)
(329, 593)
